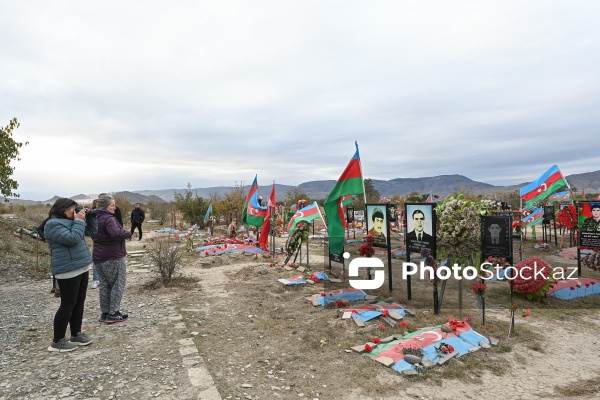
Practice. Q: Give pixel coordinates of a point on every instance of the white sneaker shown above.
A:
(95, 284)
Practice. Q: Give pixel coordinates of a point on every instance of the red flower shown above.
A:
(376, 340)
(526, 313)
(450, 348)
(368, 348)
(403, 324)
(445, 350)
(271, 265)
(386, 313)
(323, 295)
(382, 327)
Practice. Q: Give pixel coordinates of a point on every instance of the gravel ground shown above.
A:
(151, 355)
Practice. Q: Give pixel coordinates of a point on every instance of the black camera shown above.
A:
(88, 213)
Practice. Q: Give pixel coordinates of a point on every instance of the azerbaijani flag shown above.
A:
(560, 196)
(429, 198)
(208, 212)
(534, 218)
(350, 182)
(255, 213)
(542, 187)
(266, 226)
(442, 198)
(307, 214)
(253, 190)
(293, 207)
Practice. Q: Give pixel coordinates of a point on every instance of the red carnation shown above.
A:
(382, 327)
(403, 324)
(368, 348)
(376, 340)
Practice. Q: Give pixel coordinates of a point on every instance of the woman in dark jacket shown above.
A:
(65, 231)
(109, 260)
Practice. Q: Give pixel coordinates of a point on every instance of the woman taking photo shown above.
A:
(65, 230)
(109, 260)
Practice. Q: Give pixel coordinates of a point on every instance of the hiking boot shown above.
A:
(124, 316)
(81, 339)
(62, 346)
(112, 318)
(103, 317)
(95, 284)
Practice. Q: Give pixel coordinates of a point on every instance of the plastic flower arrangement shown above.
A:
(479, 289)
(568, 217)
(533, 278)
(458, 228)
(444, 348)
(454, 324)
(591, 261)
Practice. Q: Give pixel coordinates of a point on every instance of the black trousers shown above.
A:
(136, 225)
(72, 299)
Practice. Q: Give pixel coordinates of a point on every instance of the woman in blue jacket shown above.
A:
(109, 260)
(65, 231)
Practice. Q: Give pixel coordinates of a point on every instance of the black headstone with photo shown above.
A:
(496, 237)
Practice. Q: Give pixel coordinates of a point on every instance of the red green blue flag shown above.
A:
(534, 218)
(253, 190)
(542, 187)
(255, 212)
(307, 214)
(560, 197)
(349, 183)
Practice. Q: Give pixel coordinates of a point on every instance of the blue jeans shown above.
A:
(95, 274)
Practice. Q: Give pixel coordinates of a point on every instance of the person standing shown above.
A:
(109, 260)
(137, 217)
(95, 276)
(65, 231)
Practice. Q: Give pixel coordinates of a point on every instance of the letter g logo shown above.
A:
(364, 262)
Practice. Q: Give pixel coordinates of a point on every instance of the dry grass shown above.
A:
(588, 387)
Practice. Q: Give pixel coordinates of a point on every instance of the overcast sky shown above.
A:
(133, 95)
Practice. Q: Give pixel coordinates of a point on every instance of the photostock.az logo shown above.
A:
(363, 262)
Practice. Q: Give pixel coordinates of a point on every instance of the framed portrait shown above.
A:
(349, 214)
(420, 227)
(589, 221)
(392, 212)
(496, 237)
(377, 223)
(549, 213)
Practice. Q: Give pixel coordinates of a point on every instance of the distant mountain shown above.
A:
(588, 182)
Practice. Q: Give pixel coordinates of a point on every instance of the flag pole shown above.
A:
(361, 173)
(322, 219)
(568, 186)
